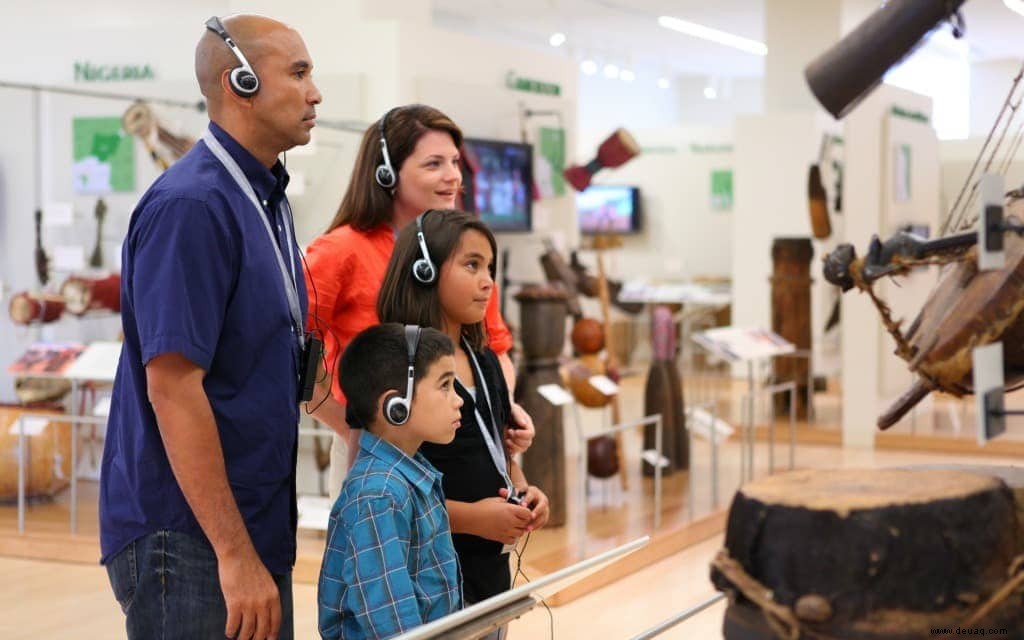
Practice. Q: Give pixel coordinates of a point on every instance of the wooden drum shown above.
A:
(48, 456)
(791, 315)
(871, 554)
(543, 313)
(86, 294)
(28, 308)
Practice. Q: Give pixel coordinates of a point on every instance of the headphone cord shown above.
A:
(519, 572)
(318, 331)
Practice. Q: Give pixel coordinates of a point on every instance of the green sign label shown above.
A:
(721, 190)
(710, 148)
(103, 156)
(516, 83)
(89, 72)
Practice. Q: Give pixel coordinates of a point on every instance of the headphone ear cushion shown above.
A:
(423, 271)
(396, 409)
(384, 176)
(244, 82)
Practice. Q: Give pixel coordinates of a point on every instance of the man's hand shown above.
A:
(253, 602)
(519, 439)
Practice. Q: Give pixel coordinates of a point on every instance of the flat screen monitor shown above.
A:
(608, 209)
(498, 181)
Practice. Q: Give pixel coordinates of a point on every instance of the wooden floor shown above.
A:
(46, 599)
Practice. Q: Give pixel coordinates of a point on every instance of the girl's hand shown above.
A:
(519, 440)
(499, 520)
(535, 500)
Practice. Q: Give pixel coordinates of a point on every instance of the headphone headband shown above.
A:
(423, 270)
(397, 408)
(385, 174)
(242, 78)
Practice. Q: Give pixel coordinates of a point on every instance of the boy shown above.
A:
(390, 565)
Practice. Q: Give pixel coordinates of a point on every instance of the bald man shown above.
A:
(197, 493)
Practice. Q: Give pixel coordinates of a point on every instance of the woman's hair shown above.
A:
(366, 204)
(402, 298)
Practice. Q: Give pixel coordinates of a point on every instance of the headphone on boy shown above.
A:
(385, 174)
(423, 270)
(396, 406)
(242, 78)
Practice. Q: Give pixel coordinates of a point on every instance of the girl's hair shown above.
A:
(366, 204)
(402, 298)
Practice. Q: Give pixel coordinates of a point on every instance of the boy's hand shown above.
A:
(520, 438)
(500, 521)
(537, 502)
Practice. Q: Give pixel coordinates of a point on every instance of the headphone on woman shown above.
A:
(385, 174)
(396, 406)
(423, 270)
(242, 79)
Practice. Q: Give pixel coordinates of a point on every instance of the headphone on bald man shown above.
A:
(242, 78)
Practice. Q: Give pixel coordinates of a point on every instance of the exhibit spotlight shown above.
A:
(847, 72)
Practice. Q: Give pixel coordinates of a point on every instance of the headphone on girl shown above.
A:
(396, 406)
(423, 270)
(242, 78)
(385, 174)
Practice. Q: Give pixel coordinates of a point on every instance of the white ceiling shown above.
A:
(626, 32)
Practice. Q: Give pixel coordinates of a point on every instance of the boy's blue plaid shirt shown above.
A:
(389, 565)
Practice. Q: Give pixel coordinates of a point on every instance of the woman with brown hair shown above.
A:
(407, 163)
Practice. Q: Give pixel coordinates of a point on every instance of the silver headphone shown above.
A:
(385, 173)
(242, 78)
(398, 407)
(423, 270)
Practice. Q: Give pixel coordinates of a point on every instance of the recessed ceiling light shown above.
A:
(611, 71)
(557, 39)
(588, 67)
(627, 76)
(663, 83)
(710, 93)
(714, 35)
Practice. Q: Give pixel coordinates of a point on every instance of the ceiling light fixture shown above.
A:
(557, 39)
(714, 35)
(710, 93)
(627, 76)
(588, 67)
(611, 71)
(1017, 6)
(663, 83)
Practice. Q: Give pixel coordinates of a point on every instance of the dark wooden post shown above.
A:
(791, 314)
(543, 312)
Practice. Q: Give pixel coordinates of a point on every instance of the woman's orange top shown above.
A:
(344, 272)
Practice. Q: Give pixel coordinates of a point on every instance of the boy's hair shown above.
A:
(401, 298)
(377, 360)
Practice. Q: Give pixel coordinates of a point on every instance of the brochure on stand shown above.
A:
(739, 344)
(46, 359)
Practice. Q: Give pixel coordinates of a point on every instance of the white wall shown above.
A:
(681, 236)
(866, 348)
(990, 84)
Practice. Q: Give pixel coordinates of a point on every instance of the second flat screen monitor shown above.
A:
(498, 183)
(608, 209)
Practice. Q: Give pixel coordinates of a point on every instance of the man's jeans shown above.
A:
(168, 587)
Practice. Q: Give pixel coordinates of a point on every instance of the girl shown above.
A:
(418, 148)
(441, 275)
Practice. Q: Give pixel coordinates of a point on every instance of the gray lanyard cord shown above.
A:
(243, 183)
(497, 453)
